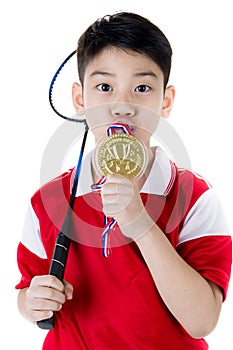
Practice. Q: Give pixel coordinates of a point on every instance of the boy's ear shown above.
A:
(77, 97)
(169, 96)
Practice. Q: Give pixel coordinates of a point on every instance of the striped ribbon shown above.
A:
(109, 223)
(112, 129)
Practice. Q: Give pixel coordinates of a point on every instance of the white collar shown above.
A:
(159, 181)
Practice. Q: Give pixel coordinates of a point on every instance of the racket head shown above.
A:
(60, 86)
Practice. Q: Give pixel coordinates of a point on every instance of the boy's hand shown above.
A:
(122, 201)
(45, 295)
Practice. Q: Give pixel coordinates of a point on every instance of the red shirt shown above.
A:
(116, 304)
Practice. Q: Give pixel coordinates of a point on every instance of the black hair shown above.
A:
(127, 31)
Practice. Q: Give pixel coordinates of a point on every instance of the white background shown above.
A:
(35, 37)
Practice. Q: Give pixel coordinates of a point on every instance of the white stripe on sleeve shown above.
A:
(31, 237)
(205, 218)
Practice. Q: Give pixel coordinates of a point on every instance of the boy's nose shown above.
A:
(120, 109)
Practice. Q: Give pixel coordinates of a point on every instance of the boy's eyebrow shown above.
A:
(142, 74)
(139, 74)
(98, 72)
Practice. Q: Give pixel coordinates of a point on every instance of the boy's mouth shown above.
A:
(130, 127)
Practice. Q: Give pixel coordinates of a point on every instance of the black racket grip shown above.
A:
(57, 269)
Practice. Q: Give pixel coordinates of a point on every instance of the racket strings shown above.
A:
(51, 91)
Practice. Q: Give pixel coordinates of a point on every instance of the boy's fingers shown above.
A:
(55, 283)
(54, 287)
(36, 315)
(48, 293)
(68, 290)
(46, 289)
(48, 281)
(45, 305)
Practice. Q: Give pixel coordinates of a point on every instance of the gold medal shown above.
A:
(121, 154)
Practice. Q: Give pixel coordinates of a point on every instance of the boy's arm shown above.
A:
(193, 301)
(45, 295)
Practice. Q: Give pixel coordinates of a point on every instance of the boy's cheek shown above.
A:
(100, 117)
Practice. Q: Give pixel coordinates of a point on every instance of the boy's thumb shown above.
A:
(68, 290)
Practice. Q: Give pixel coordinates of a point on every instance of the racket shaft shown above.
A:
(57, 269)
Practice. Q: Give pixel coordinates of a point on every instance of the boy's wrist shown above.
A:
(138, 227)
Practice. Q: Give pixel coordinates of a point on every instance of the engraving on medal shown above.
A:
(121, 154)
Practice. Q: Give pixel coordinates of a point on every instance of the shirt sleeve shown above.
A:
(204, 240)
(31, 256)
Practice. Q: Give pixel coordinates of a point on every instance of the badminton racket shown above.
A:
(62, 245)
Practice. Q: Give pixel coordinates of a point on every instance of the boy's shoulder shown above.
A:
(189, 185)
(188, 177)
(190, 188)
(57, 188)
(191, 181)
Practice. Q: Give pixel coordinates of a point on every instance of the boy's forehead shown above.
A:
(108, 57)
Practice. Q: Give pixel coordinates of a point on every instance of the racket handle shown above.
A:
(47, 324)
(57, 269)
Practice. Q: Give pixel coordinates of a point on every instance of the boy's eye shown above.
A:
(104, 87)
(142, 88)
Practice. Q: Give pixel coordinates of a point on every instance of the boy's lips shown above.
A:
(129, 126)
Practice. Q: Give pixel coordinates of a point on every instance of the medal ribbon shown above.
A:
(112, 129)
(109, 223)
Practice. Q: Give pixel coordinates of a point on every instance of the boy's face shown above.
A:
(123, 80)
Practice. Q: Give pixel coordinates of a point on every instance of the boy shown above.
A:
(164, 284)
